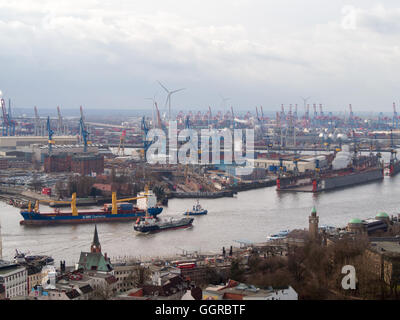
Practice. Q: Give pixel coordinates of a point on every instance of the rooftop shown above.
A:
(6, 267)
(355, 221)
(390, 247)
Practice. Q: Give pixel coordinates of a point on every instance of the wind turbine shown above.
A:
(168, 101)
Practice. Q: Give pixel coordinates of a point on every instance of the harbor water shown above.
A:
(251, 215)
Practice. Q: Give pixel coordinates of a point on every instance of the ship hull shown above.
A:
(158, 228)
(31, 218)
(336, 182)
(195, 213)
(394, 168)
(326, 183)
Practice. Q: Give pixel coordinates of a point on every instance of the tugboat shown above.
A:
(196, 211)
(150, 224)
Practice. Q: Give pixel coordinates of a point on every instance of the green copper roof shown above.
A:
(94, 261)
(314, 210)
(356, 221)
(382, 215)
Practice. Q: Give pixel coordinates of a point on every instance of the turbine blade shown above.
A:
(177, 90)
(163, 86)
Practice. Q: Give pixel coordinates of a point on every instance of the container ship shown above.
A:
(363, 169)
(148, 224)
(118, 210)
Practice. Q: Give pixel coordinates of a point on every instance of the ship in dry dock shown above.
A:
(345, 170)
(394, 163)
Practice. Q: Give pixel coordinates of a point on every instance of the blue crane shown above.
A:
(187, 123)
(50, 132)
(146, 142)
(84, 134)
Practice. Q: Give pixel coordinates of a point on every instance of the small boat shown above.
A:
(150, 224)
(279, 236)
(22, 258)
(196, 211)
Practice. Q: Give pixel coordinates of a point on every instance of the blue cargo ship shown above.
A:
(116, 211)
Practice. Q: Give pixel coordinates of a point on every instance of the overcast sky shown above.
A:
(110, 54)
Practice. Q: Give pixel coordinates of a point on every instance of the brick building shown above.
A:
(87, 164)
(3, 163)
(57, 163)
(82, 164)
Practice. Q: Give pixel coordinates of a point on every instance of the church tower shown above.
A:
(95, 247)
(313, 220)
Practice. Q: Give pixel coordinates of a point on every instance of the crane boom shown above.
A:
(72, 202)
(5, 118)
(60, 122)
(37, 121)
(114, 207)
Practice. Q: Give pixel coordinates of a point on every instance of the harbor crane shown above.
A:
(395, 117)
(146, 142)
(82, 115)
(37, 122)
(121, 146)
(84, 134)
(351, 120)
(115, 201)
(10, 120)
(233, 118)
(60, 122)
(262, 113)
(8, 123)
(187, 122)
(5, 118)
(51, 133)
(72, 203)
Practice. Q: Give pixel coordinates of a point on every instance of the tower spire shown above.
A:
(95, 247)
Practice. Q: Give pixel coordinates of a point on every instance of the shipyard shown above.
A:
(67, 190)
(238, 152)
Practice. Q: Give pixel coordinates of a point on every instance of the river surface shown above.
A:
(251, 215)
